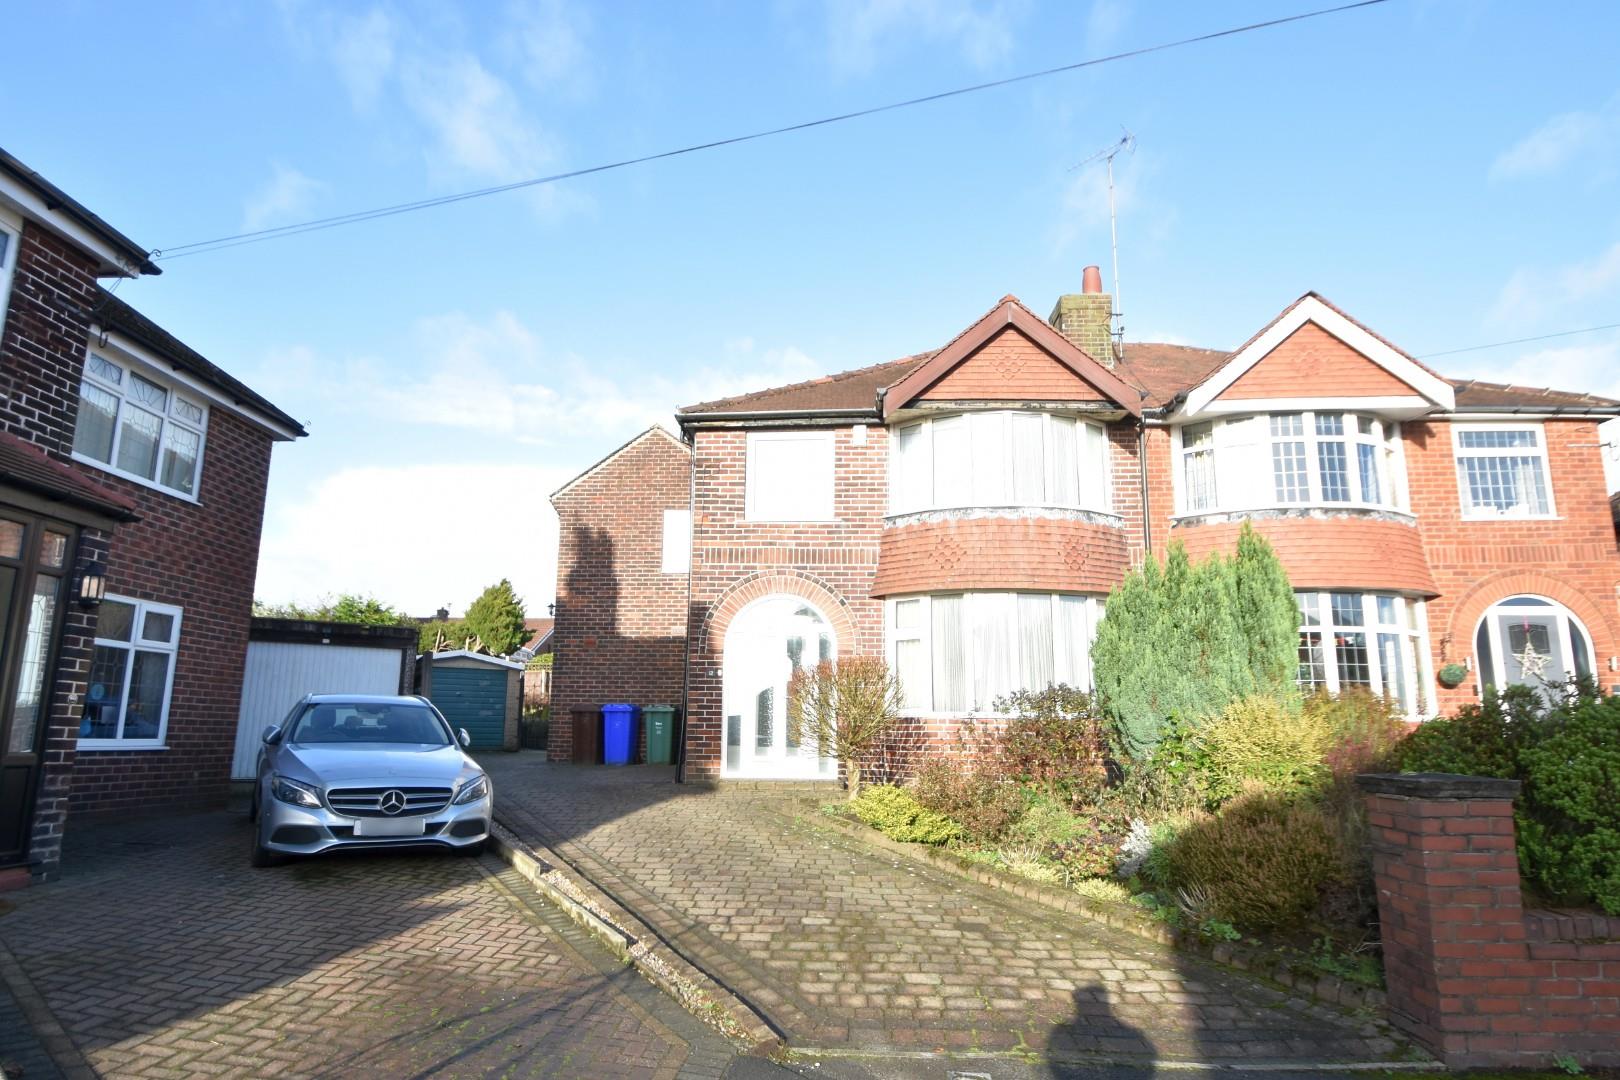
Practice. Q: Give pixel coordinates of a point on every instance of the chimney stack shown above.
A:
(1086, 318)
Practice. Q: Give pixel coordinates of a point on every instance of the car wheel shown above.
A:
(263, 856)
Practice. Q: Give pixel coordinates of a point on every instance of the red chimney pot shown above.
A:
(1091, 281)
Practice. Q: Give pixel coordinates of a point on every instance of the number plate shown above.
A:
(382, 826)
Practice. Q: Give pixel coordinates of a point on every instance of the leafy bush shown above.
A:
(1479, 740)
(898, 814)
(1057, 740)
(1569, 839)
(1263, 741)
(1092, 844)
(1365, 731)
(849, 707)
(984, 806)
(1046, 822)
(1264, 861)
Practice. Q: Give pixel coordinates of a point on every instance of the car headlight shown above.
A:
(295, 792)
(473, 790)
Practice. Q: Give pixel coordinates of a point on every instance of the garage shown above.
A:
(288, 658)
(476, 692)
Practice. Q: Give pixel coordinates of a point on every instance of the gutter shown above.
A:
(685, 419)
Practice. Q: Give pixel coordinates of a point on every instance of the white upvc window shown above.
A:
(999, 458)
(677, 549)
(1502, 471)
(789, 476)
(1377, 641)
(131, 675)
(10, 242)
(1327, 458)
(139, 426)
(958, 653)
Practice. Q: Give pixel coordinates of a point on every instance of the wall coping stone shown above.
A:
(1438, 786)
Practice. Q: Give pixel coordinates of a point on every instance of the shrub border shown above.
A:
(1268, 963)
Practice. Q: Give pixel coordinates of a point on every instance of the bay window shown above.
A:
(999, 458)
(1502, 471)
(131, 675)
(959, 653)
(1329, 459)
(1371, 640)
(133, 425)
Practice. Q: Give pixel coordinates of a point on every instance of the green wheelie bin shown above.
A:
(660, 721)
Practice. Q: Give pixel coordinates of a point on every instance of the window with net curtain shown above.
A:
(1368, 640)
(131, 673)
(1000, 458)
(138, 427)
(1502, 471)
(1290, 459)
(961, 652)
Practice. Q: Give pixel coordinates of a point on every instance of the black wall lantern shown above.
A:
(92, 585)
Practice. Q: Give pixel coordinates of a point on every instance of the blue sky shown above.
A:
(1445, 171)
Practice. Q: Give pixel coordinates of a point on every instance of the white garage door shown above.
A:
(279, 673)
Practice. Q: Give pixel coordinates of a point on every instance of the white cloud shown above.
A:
(363, 50)
(350, 532)
(1532, 293)
(478, 125)
(859, 30)
(1103, 24)
(1560, 141)
(286, 196)
(1144, 218)
(549, 39)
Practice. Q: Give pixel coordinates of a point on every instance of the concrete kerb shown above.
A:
(50, 1033)
(628, 937)
(1264, 963)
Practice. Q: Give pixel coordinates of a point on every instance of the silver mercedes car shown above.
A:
(351, 771)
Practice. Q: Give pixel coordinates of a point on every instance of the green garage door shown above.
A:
(473, 699)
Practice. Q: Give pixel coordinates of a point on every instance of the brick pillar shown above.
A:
(1455, 956)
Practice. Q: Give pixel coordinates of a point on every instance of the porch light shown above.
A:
(92, 585)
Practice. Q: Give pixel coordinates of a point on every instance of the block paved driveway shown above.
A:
(845, 948)
(163, 954)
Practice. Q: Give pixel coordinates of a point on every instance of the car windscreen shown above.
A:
(359, 722)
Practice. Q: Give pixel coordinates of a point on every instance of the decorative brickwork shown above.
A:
(1310, 360)
(621, 620)
(1010, 367)
(1470, 974)
(1058, 554)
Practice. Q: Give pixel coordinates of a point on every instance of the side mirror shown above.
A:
(466, 739)
(272, 735)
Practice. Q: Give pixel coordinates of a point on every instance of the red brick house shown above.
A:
(132, 487)
(964, 512)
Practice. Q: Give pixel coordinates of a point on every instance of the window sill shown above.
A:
(103, 466)
(1510, 517)
(1295, 510)
(120, 744)
(962, 513)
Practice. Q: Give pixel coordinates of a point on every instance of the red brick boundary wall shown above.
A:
(1471, 974)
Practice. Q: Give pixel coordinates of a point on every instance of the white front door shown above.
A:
(765, 644)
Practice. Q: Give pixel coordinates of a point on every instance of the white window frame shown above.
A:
(923, 632)
(11, 227)
(1095, 496)
(120, 390)
(1387, 440)
(1411, 625)
(677, 542)
(1566, 619)
(1539, 452)
(751, 479)
(137, 643)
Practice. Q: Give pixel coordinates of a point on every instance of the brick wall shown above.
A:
(1471, 974)
(736, 561)
(1308, 360)
(42, 353)
(621, 621)
(202, 557)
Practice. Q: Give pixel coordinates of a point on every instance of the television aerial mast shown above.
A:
(1126, 144)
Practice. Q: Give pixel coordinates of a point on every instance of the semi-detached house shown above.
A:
(964, 513)
(132, 487)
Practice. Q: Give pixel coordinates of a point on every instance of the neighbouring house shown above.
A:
(132, 487)
(964, 512)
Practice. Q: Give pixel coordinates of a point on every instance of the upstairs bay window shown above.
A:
(1368, 640)
(957, 653)
(1328, 459)
(1502, 471)
(1000, 458)
(137, 427)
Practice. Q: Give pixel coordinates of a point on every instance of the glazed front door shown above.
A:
(765, 644)
(34, 557)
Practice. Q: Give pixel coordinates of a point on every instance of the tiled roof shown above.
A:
(26, 465)
(1160, 371)
(113, 314)
(57, 199)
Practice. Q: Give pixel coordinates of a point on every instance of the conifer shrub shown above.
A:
(896, 812)
(1264, 861)
(1265, 742)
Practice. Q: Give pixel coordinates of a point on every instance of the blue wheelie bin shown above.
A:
(619, 734)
